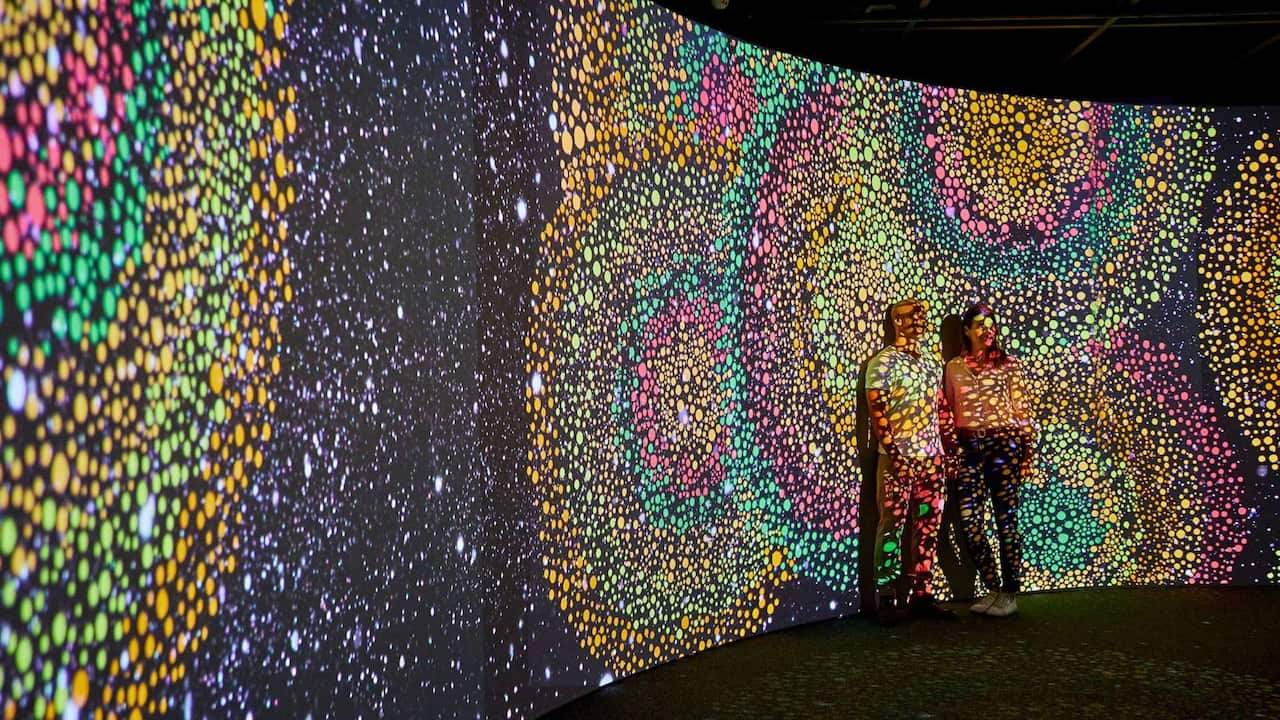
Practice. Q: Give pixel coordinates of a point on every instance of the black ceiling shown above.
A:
(1215, 53)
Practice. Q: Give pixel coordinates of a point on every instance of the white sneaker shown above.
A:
(984, 603)
(1004, 606)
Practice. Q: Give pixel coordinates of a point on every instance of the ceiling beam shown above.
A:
(1044, 22)
(1258, 48)
(1089, 40)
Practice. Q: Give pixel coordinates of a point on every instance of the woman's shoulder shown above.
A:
(954, 369)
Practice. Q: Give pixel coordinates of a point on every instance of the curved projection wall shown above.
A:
(462, 356)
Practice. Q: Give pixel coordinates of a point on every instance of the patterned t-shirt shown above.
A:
(994, 397)
(910, 384)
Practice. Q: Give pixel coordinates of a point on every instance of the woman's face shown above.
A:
(981, 332)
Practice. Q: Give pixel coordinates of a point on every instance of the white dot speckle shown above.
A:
(17, 390)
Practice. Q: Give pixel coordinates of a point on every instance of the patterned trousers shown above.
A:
(910, 502)
(991, 467)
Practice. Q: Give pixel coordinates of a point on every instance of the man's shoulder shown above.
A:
(881, 364)
(930, 359)
(885, 352)
(886, 356)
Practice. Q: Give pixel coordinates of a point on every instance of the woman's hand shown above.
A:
(1029, 443)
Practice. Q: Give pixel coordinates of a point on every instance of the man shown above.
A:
(910, 422)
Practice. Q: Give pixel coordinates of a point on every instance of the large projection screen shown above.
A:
(460, 356)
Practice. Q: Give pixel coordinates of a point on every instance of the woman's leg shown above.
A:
(1004, 473)
(972, 492)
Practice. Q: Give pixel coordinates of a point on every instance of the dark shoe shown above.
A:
(924, 607)
(887, 613)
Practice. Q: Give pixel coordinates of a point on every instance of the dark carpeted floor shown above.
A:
(1120, 653)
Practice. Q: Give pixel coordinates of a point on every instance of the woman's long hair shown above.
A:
(995, 354)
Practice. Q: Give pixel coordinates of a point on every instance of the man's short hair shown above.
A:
(890, 329)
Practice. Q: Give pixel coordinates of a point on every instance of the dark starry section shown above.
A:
(357, 591)
(1132, 653)
(532, 660)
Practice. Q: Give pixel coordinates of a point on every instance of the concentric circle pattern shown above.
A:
(146, 172)
(1008, 167)
(1071, 218)
(653, 521)
(732, 224)
(828, 246)
(1088, 522)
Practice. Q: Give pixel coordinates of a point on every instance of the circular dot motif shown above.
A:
(828, 253)
(645, 462)
(1004, 165)
(1239, 302)
(1070, 218)
(145, 170)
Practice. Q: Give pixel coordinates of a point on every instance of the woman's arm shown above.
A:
(946, 411)
(949, 384)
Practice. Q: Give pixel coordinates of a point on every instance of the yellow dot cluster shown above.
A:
(1240, 295)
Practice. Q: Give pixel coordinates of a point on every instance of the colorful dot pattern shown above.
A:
(146, 172)
(731, 225)
(360, 359)
(1239, 303)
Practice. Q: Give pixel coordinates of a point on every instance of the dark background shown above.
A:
(1185, 52)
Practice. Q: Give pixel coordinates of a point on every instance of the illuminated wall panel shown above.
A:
(457, 357)
(728, 226)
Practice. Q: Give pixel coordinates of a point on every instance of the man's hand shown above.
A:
(896, 462)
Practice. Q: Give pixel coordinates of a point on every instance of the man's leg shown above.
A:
(927, 475)
(891, 497)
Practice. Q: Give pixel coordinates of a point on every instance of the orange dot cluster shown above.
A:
(1239, 302)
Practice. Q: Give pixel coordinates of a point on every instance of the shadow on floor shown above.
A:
(1116, 653)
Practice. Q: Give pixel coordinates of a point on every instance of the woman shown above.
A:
(985, 389)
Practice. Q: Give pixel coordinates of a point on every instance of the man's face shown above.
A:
(910, 319)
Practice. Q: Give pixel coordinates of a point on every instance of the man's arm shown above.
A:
(878, 410)
(878, 387)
